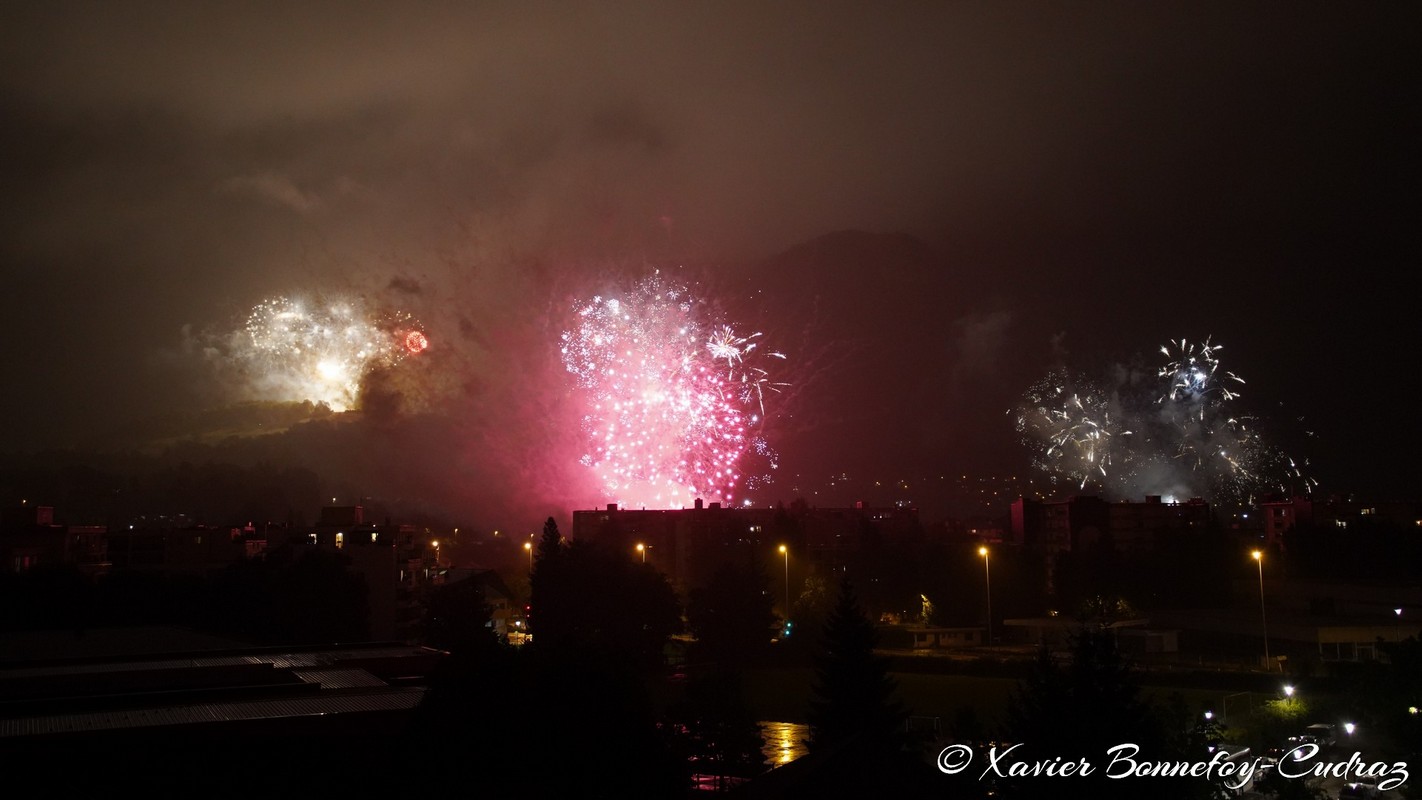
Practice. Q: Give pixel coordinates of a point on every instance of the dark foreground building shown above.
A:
(214, 722)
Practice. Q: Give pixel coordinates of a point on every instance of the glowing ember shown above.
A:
(416, 342)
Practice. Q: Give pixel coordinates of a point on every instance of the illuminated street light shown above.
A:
(642, 548)
(1397, 633)
(1263, 620)
(987, 580)
(1349, 727)
(1289, 692)
(529, 547)
(785, 551)
(436, 547)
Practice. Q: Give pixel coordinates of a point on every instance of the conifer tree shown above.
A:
(853, 700)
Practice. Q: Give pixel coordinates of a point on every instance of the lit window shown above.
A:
(340, 540)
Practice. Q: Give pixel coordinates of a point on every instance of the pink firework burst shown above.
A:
(665, 423)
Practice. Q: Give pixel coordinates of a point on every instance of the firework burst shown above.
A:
(1173, 435)
(1193, 374)
(666, 422)
(321, 351)
(1194, 392)
(1069, 425)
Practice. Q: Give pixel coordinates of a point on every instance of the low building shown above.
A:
(194, 549)
(504, 618)
(1056, 526)
(689, 544)
(1280, 516)
(946, 638)
(29, 537)
(1057, 630)
(1053, 527)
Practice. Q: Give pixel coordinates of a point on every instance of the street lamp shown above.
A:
(642, 548)
(987, 579)
(436, 547)
(1263, 620)
(1289, 693)
(529, 547)
(785, 551)
(1397, 631)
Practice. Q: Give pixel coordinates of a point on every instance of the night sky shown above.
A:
(925, 206)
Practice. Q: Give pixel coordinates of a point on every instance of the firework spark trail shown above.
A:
(724, 345)
(294, 350)
(1193, 411)
(1068, 422)
(665, 423)
(1191, 373)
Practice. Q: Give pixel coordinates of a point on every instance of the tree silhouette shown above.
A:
(551, 543)
(590, 600)
(487, 724)
(732, 614)
(1081, 709)
(853, 693)
(457, 618)
(577, 694)
(1086, 705)
(720, 734)
(548, 604)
